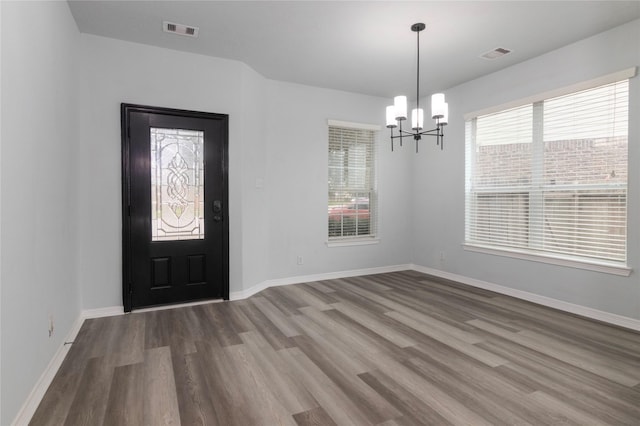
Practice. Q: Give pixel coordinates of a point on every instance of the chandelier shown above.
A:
(397, 113)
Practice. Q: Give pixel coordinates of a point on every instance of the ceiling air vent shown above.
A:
(185, 30)
(495, 53)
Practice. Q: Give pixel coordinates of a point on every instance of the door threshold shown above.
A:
(175, 306)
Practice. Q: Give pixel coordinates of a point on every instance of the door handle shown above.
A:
(217, 211)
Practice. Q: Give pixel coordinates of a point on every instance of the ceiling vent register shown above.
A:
(495, 53)
(180, 29)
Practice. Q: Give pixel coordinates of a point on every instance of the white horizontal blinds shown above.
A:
(586, 223)
(501, 180)
(351, 209)
(552, 176)
(585, 172)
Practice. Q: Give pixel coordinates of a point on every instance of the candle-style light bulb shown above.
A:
(417, 118)
(391, 117)
(445, 115)
(400, 105)
(437, 105)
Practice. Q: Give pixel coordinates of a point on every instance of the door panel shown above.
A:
(175, 233)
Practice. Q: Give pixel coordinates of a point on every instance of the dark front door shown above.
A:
(174, 186)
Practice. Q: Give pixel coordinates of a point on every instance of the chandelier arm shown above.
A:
(433, 132)
(404, 133)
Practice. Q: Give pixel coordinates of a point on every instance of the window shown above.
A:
(352, 184)
(550, 177)
(177, 184)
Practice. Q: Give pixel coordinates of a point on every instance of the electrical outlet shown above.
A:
(300, 260)
(51, 325)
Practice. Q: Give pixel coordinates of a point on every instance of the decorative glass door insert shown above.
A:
(177, 184)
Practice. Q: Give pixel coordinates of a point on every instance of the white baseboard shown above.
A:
(109, 311)
(30, 405)
(37, 393)
(238, 295)
(33, 400)
(584, 311)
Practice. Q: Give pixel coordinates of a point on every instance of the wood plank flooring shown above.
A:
(390, 349)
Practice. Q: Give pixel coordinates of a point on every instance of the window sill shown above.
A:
(604, 267)
(363, 241)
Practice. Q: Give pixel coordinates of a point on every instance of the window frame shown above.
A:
(372, 237)
(534, 254)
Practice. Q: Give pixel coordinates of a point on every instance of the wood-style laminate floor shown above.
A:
(388, 349)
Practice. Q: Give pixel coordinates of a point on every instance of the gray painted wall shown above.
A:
(60, 180)
(278, 136)
(439, 192)
(38, 172)
(113, 72)
(298, 183)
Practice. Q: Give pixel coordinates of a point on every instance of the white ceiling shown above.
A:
(360, 46)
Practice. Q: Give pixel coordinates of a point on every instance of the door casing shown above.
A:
(125, 111)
